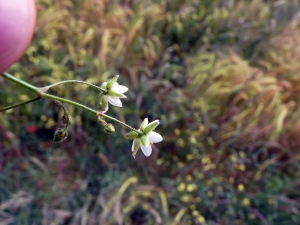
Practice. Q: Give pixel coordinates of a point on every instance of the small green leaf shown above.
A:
(144, 124)
(104, 85)
(113, 93)
(111, 82)
(151, 126)
(132, 135)
(136, 145)
(145, 140)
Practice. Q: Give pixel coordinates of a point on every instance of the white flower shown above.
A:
(112, 92)
(149, 136)
(116, 90)
(152, 137)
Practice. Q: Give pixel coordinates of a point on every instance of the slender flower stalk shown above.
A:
(79, 105)
(20, 104)
(73, 81)
(120, 122)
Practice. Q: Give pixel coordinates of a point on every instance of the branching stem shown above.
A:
(41, 93)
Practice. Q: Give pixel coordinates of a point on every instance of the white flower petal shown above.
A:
(115, 101)
(120, 88)
(132, 148)
(146, 150)
(154, 137)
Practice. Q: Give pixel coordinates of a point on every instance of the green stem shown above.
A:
(74, 81)
(53, 98)
(20, 104)
(41, 94)
(22, 83)
(61, 105)
(122, 123)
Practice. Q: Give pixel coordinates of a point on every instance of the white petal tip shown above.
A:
(155, 137)
(146, 150)
(115, 101)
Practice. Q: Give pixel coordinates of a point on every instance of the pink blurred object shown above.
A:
(17, 23)
(32, 129)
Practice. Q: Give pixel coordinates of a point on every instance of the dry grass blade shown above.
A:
(18, 200)
(5, 218)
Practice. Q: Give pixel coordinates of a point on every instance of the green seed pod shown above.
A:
(136, 145)
(109, 128)
(151, 126)
(60, 135)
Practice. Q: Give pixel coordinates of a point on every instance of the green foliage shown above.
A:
(221, 76)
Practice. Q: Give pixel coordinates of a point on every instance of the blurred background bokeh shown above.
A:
(222, 76)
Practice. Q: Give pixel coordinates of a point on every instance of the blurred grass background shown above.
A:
(223, 77)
